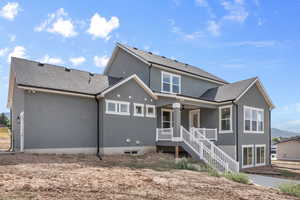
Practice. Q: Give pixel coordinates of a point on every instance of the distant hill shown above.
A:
(282, 133)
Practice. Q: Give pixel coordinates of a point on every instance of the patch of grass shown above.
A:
(290, 188)
(184, 163)
(238, 177)
(287, 173)
(213, 172)
(4, 133)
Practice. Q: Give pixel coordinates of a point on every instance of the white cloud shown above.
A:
(236, 11)
(263, 43)
(10, 10)
(3, 51)
(77, 60)
(177, 2)
(48, 59)
(18, 51)
(202, 3)
(59, 23)
(100, 27)
(101, 61)
(12, 38)
(186, 36)
(214, 28)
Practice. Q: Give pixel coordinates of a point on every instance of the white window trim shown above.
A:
(220, 120)
(154, 111)
(117, 103)
(263, 115)
(171, 82)
(171, 117)
(134, 109)
(245, 146)
(264, 163)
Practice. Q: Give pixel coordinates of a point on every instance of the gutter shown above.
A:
(98, 129)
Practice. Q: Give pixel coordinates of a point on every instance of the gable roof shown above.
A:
(151, 58)
(234, 91)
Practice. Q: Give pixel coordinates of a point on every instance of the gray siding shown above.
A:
(118, 128)
(189, 86)
(125, 65)
(253, 98)
(59, 121)
(17, 108)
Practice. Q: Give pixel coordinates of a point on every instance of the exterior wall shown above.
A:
(17, 108)
(54, 121)
(116, 129)
(253, 98)
(125, 65)
(288, 150)
(189, 86)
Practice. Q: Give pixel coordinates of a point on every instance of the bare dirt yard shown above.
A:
(29, 176)
(280, 169)
(4, 139)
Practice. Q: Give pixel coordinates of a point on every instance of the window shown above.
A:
(225, 116)
(260, 154)
(150, 111)
(138, 110)
(253, 120)
(117, 107)
(166, 118)
(247, 155)
(171, 83)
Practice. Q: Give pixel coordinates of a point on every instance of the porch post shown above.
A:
(176, 125)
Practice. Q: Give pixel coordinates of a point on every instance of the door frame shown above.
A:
(191, 118)
(171, 117)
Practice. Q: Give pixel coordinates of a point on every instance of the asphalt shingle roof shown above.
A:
(227, 92)
(161, 60)
(30, 73)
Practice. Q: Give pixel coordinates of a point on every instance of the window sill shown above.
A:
(261, 164)
(229, 131)
(167, 92)
(151, 116)
(137, 115)
(247, 166)
(115, 113)
(253, 132)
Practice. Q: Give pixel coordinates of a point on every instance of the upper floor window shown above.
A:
(117, 107)
(253, 120)
(225, 116)
(171, 83)
(138, 110)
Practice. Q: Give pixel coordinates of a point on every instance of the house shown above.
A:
(288, 149)
(142, 102)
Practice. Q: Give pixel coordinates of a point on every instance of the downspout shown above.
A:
(11, 148)
(98, 129)
(237, 130)
(150, 67)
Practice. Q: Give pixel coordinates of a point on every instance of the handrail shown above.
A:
(209, 133)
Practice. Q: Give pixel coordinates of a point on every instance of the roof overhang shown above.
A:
(262, 90)
(132, 77)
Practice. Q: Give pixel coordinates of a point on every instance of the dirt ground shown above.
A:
(28, 176)
(4, 139)
(280, 169)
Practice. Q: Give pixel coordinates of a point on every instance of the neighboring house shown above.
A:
(142, 102)
(288, 149)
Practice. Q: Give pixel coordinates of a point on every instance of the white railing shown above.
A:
(202, 146)
(233, 165)
(209, 133)
(164, 134)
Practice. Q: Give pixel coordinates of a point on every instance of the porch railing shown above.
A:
(164, 134)
(209, 133)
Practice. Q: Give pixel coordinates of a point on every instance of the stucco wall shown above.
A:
(59, 121)
(288, 150)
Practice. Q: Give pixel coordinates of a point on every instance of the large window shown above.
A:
(117, 107)
(253, 120)
(260, 154)
(166, 118)
(248, 155)
(171, 83)
(225, 116)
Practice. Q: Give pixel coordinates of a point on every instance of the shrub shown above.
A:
(213, 172)
(290, 188)
(183, 163)
(237, 177)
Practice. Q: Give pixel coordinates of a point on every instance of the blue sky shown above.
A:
(234, 39)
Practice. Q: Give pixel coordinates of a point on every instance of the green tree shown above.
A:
(4, 119)
(276, 139)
